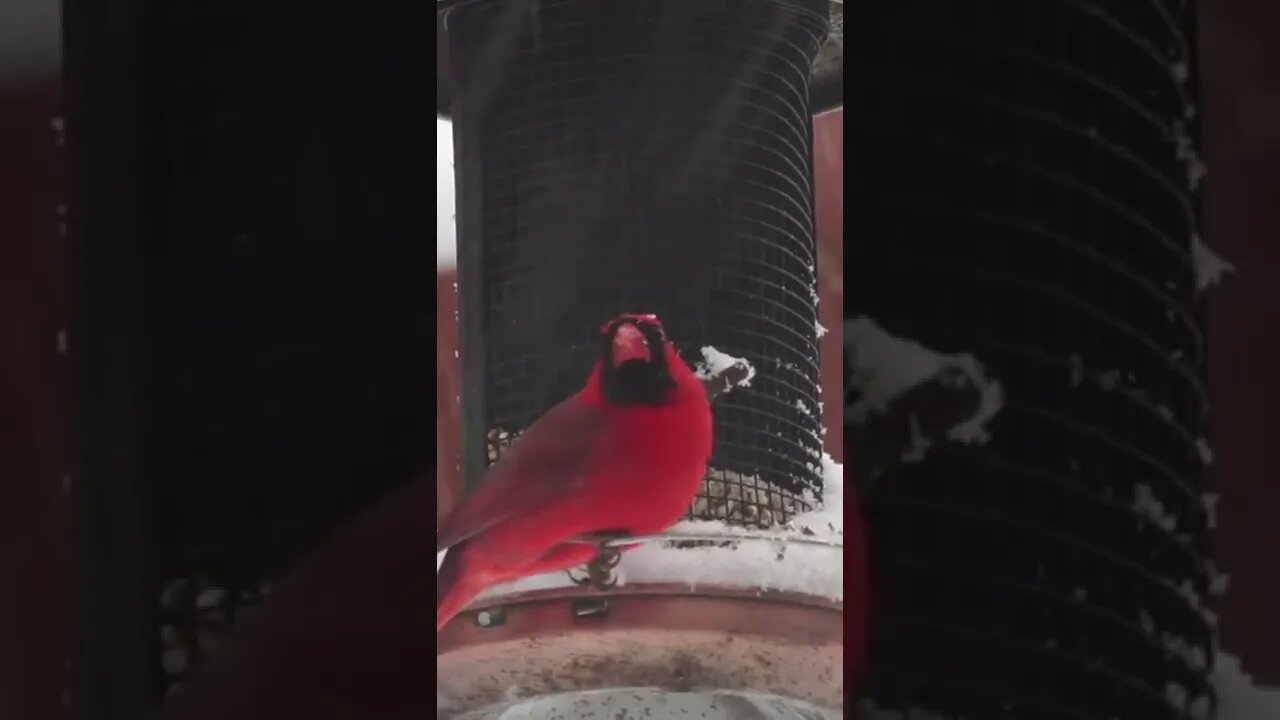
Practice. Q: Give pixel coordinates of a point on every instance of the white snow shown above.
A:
(883, 367)
(1206, 452)
(1218, 580)
(715, 362)
(1210, 502)
(805, 556)
(1191, 654)
(1188, 592)
(1209, 267)
(821, 330)
(642, 703)
(446, 227)
(1239, 697)
(1146, 503)
(1185, 150)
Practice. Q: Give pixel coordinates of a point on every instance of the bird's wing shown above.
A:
(549, 461)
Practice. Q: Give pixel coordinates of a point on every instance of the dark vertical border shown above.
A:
(472, 348)
(113, 671)
(472, 323)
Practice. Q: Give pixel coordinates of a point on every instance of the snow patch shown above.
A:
(1239, 697)
(1206, 452)
(1146, 504)
(1210, 502)
(1209, 267)
(1218, 580)
(446, 225)
(804, 556)
(715, 362)
(883, 367)
(1185, 150)
(1193, 655)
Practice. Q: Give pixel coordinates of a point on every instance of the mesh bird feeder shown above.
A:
(1026, 181)
(639, 156)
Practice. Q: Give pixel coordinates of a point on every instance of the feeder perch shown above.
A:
(647, 156)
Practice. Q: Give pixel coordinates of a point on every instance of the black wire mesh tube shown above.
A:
(647, 156)
(1024, 188)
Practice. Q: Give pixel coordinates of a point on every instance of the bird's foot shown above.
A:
(600, 569)
(579, 581)
(599, 573)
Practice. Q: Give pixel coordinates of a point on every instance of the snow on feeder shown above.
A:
(650, 156)
(1030, 196)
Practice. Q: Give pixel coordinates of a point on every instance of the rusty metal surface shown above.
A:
(537, 646)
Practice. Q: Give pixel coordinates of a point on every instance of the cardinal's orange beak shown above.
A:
(629, 344)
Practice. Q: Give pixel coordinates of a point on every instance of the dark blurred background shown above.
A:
(1240, 96)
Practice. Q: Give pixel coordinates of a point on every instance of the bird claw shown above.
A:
(609, 558)
(600, 570)
(580, 582)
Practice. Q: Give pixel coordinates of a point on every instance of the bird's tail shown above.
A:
(454, 590)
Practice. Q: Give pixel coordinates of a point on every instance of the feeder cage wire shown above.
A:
(641, 156)
(259, 283)
(1025, 184)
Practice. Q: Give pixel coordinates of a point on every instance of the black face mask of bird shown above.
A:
(633, 362)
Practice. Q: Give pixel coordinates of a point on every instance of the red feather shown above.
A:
(589, 465)
(550, 460)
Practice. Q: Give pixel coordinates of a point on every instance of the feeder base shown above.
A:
(580, 642)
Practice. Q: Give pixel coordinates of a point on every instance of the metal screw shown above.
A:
(491, 618)
(594, 607)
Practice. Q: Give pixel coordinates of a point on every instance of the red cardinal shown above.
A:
(626, 454)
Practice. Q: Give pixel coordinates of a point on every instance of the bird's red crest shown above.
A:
(648, 319)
